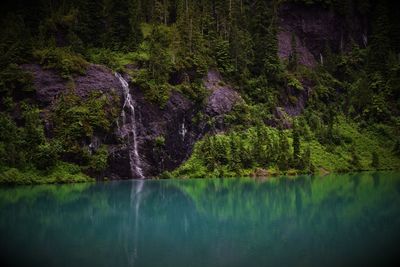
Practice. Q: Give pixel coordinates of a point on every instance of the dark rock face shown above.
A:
(97, 78)
(221, 101)
(285, 48)
(165, 136)
(174, 124)
(295, 106)
(222, 97)
(49, 84)
(315, 27)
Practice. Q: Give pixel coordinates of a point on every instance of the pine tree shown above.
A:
(159, 60)
(375, 160)
(296, 143)
(283, 157)
(91, 22)
(380, 43)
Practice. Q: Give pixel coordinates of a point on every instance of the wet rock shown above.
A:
(173, 124)
(118, 162)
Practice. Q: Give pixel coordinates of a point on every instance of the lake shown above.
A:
(336, 220)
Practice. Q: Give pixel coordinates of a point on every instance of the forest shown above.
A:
(339, 113)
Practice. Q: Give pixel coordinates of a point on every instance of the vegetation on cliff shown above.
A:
(349, 119)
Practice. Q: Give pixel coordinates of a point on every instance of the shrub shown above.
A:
(98, 161)
(76, 120)
(15, 80)
(47, 155)
(159, 141)
(63, 60)
(375, 160)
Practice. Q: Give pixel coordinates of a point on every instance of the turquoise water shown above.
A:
(336, 220)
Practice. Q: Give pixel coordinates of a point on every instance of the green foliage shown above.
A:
(353, 99)
(63, 60)
(296, 143)
(116, 61)
(15, 40)
(98, 161)
(240, 153)
(14, 81)
(157, 93)
(222, 57)
(194, 91)
(76, 120)
(27, 157)
(245, 153)
(160, 62)
(355, 159)
(375, 160)
(260, 91)
(293, 82)
(21, 146)
(160, 141)
(61, 173)
(47, 155)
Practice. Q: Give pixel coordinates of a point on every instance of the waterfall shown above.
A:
(183, 130)
(128, 129)
(365, 39)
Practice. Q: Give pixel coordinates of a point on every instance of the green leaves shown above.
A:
(15, 81)
(235, 153)
(63, 60)
(77, 120)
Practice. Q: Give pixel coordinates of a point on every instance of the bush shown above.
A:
(375, 160)
(98, 161)
(63, 60)
(76, 120)
(235, 153)
(157, 93)
(47, 155)
(14, 80)
(60, 173)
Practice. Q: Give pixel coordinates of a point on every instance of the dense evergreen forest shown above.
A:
(337, 111)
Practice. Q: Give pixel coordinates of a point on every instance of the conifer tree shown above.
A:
(296, 143)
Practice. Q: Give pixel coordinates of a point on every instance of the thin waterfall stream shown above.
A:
(129, 129)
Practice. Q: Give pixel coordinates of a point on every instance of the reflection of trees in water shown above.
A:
(234, 199)
(376, 178)
(130, 223)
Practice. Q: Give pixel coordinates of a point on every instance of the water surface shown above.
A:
(336, 220)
